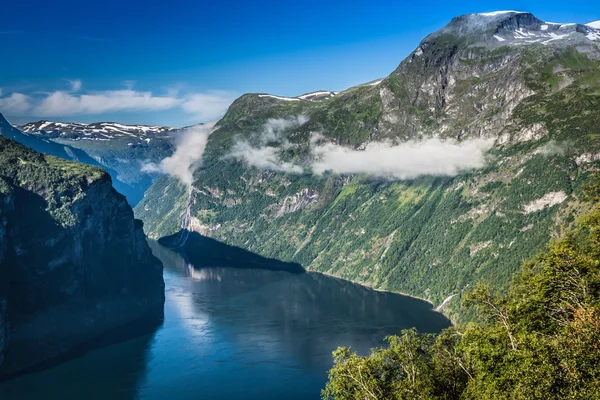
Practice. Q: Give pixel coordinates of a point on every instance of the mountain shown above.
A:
(465, 160)
(74, 263)
(104, 131)
(121, 149)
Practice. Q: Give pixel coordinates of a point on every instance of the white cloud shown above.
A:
(273, 129)
(187, 156)
(265, 156)
(210, 105)
(62, 103)
(75, 84)
(402, 161)
(382, 159)
(16, 103)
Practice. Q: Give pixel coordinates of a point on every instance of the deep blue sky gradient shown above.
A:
(281, 47)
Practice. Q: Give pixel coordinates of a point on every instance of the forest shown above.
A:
(539, 340)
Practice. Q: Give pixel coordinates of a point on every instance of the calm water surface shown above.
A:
(232, 333)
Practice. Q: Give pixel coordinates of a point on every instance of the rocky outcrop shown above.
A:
(74, 263)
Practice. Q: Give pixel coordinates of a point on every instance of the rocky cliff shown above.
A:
(527, 90)
(74, 263)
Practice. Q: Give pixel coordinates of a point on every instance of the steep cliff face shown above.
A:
(528, 87)
(74, 264)
(6, 205)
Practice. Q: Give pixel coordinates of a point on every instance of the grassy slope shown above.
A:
(430, 237)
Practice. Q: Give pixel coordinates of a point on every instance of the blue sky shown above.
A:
(182, 62)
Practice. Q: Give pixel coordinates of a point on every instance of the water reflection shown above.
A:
(114, 372)
(234, 333)
(304, 316)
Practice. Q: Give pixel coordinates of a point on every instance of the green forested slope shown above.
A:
(430, 236)
(540, 341)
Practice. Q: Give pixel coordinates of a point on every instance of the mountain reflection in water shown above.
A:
(234, 333)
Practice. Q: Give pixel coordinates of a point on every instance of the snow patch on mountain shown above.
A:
(279, 97)
(94, 131)
(496, 13)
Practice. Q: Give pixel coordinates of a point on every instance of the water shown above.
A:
(232, 333)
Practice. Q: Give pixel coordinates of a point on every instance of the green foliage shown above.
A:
(540, 341)
(59, 182)
(431, 237)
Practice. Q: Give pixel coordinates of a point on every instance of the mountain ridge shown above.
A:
(73, 261)
(121, 153)
(428, 236)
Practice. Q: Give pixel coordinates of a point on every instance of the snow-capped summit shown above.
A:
(496, 13)
(317, 96)
(514, 28)
(94, 131)
(594, 24)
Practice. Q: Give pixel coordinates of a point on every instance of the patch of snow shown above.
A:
(523, 34)
(500, 39)
(377, 82)
(544, 27)
(548, 200)
(419, 52)
(307, 95)
(595, 24)
(553, 37)
(593, 35)
(279, 97)
(495, 13)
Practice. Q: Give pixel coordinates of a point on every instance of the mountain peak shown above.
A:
(594, 24)
(510, 28)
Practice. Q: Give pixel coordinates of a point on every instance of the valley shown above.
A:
(532, 105)
(443, 218)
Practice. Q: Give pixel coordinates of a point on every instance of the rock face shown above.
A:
(74, 263)
(527, 86)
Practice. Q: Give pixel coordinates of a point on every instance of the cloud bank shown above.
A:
(380, 159)
(403, 161)
(205, 106)
(187, 156)
(264, 151)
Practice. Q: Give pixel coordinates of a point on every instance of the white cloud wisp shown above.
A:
(187, 156)
(205, 106)
(380, 159)
(402, 161)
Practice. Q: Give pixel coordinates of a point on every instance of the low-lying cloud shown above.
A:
(263, 157)
(264, 150)
(62, 103)
(191, 145)
(381, 159)
(402, 161)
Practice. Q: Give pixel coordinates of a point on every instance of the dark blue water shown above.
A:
(233, 333)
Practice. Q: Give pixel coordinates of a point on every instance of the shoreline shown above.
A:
(379, 290)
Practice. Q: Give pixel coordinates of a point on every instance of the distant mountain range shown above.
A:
(121, 149)
(95, 131)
